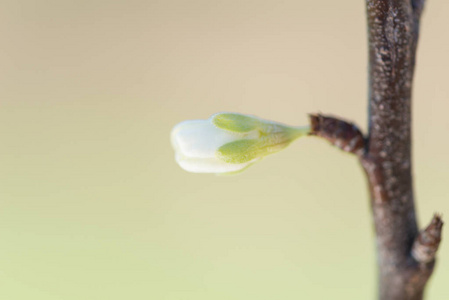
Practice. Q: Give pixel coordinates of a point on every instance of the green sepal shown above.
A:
(239, 152)
(236, 122)
(243, 151)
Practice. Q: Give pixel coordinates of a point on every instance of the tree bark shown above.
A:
(392, 29)
(405, 257)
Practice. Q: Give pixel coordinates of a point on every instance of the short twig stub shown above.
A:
(428, 240)
(342, 134)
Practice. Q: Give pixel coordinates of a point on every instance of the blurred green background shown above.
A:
(92, 203)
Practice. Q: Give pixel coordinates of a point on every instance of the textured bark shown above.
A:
(405, 257)
(392, 31)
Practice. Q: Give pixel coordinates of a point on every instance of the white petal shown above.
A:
(200, 138)
(208, 165)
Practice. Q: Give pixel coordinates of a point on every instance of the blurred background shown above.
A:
(92, 203)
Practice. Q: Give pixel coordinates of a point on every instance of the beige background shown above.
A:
(92, 204)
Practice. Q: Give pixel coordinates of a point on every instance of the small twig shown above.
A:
(428, 240)
(342, 134)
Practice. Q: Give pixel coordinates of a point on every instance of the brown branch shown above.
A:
(393, 28)
(408, 271)
(392, 31)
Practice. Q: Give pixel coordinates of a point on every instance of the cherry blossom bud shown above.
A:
(229, 142)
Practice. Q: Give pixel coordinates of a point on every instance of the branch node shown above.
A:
(342, 134)
(427, 242)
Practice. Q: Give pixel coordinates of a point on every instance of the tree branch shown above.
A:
(405, 259)
(392, 31)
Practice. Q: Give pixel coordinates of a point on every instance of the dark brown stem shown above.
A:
(405, 258)
(393, 28)
(406, 261)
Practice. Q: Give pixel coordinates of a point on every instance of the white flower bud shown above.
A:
(228, 142)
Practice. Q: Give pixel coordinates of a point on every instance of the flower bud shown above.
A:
(229, 142)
